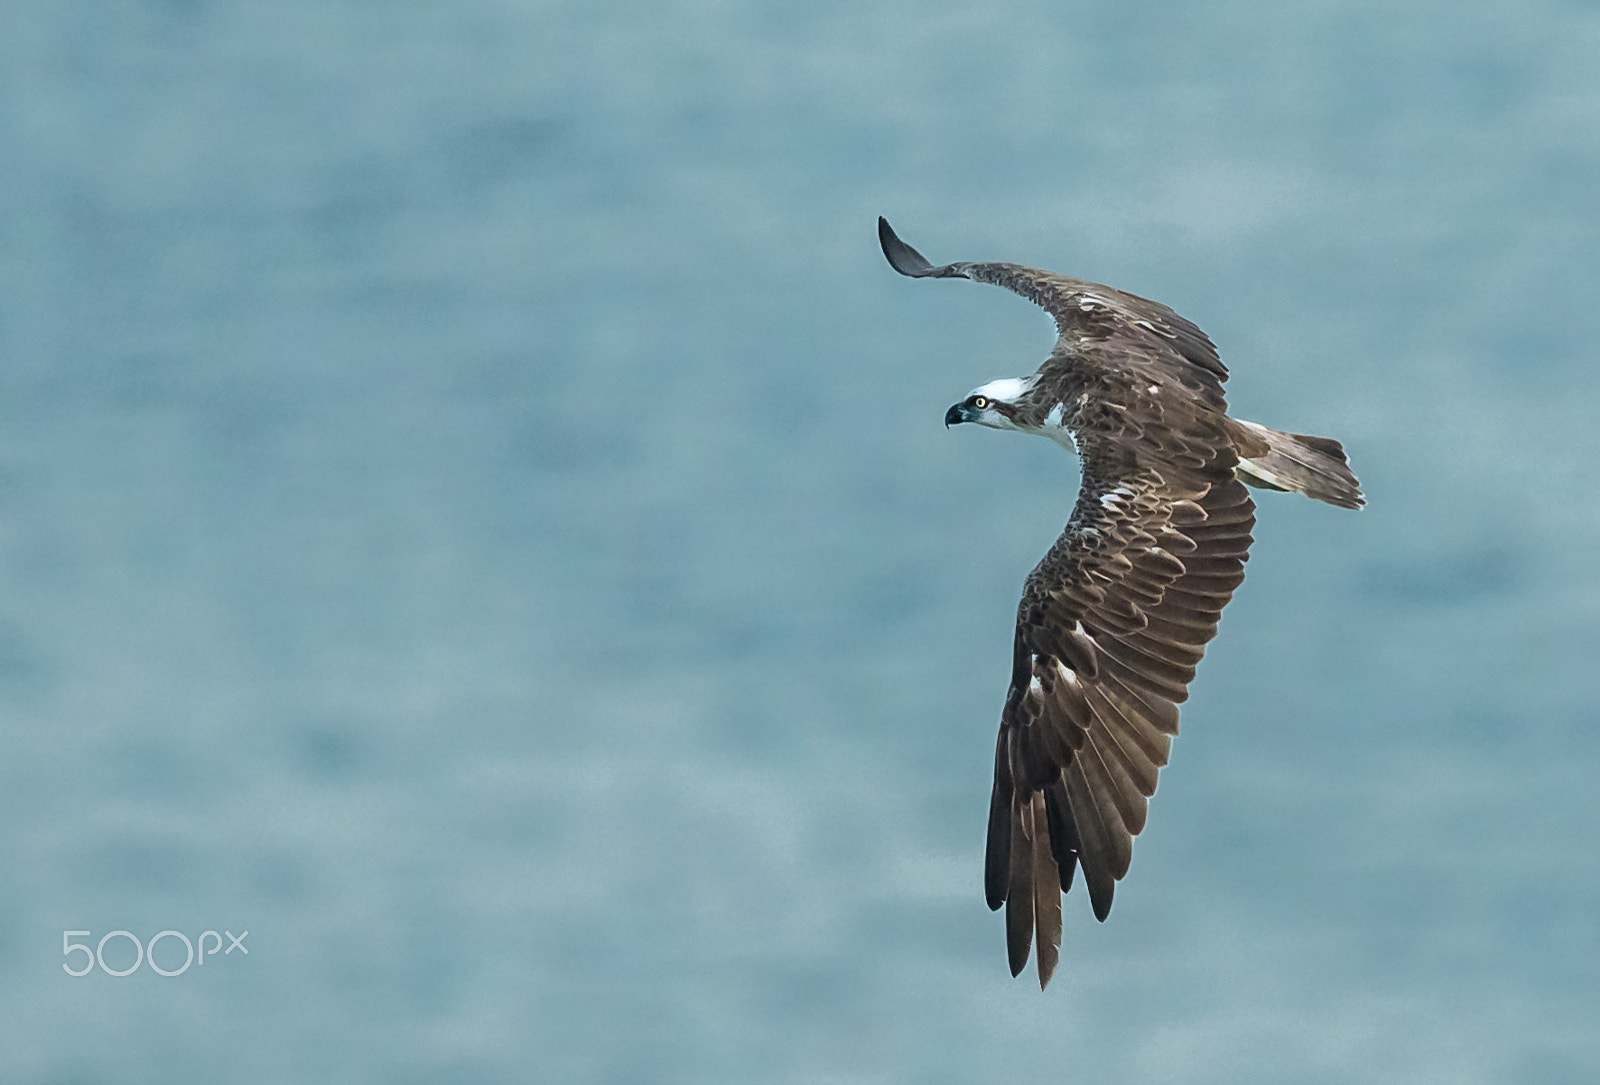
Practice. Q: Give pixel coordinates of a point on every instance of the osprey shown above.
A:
(1114, 619)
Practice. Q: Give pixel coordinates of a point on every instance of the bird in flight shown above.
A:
(1115, 617)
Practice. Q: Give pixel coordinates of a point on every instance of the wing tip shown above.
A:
(902, 257)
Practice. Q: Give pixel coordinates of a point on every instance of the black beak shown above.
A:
(954, 416)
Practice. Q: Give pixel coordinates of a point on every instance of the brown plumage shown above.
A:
(1115, 617)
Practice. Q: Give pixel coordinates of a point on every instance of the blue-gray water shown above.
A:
(474, 513)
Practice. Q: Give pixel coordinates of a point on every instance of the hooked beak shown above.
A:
(955, 416)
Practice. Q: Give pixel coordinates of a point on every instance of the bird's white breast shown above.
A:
(1054, 427)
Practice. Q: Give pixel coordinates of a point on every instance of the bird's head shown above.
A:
(993, 405)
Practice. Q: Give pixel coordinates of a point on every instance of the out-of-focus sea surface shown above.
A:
(474, 514)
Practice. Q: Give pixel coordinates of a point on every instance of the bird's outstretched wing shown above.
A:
(1110, 627)
(1081, 309)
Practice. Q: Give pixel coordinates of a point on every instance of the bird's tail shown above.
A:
(1314, 466)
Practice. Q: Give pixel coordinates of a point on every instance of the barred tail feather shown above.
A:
(1314, 466)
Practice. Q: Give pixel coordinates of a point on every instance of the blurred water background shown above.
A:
(474, 513)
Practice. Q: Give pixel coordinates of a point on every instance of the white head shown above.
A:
(993, 404)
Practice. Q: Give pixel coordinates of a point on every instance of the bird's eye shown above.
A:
(980, 402)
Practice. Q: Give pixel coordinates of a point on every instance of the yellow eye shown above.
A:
(980, 402)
